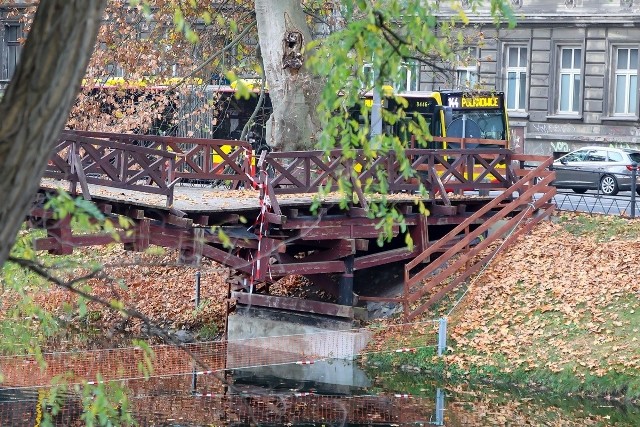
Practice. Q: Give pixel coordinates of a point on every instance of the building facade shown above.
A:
(569, 70)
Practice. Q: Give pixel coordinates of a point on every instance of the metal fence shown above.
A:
(576, 197)
(177, 388)
(596, 204)
(155, 405)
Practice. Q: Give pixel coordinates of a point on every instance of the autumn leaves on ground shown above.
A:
(152, 283)
(558, 310)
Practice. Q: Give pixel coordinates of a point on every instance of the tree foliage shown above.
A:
(370, 54)
(199, 42)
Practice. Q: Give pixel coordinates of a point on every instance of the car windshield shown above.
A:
(598, 155)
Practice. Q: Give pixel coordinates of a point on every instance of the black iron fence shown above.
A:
(597, 191)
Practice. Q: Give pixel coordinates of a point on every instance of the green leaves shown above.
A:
(206, 17)
(105, 404)
(372, 53)
(84, 216)
(84, 212)
(144, 5)
(182, 26)
(500, 9)
(243, 89)
(178, 19)
(89, 208)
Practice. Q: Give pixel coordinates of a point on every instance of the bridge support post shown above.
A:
(345, 292)
(440, 408)
(142, 235)
(61, 231)
(442, 336)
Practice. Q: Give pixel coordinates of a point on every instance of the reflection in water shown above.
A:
(247, 398)
(172, 401)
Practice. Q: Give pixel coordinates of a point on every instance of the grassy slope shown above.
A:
(559, 309)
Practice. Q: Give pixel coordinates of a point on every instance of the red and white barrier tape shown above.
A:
(405, 350)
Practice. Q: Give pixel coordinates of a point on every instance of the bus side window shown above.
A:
(436, 124)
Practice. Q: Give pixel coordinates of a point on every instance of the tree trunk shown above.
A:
(294, 92)
(37, 102)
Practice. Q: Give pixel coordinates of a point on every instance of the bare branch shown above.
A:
(231, 44)
(389, 34)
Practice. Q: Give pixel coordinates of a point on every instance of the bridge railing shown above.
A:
(192, 159)
(84, 160)
(441, 170)
(196, 159)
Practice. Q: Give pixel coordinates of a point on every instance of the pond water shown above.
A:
(257, 397)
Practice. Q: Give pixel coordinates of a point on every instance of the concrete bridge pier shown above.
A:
(294, 346)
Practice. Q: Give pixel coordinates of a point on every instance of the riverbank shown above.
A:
(558, 311)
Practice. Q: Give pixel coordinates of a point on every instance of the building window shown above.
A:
(516, 71)
(570, 77)
(113, 72)
(409, 78)
(12, 48)
(626, 81)
(467, 68)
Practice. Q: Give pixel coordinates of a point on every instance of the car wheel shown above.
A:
(638, 191)
(609, 185)
(579, 190)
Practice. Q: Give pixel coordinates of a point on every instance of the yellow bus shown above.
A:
(455, 114)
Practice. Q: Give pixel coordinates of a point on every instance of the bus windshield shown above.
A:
(477, 115)
(483, 124)
(458, 114)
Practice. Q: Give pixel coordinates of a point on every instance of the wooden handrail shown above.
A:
(482, 211)
(525, 191)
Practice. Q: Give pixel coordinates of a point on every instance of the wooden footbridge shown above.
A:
(180, 192)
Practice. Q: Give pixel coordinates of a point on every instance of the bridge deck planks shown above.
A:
(188, 198)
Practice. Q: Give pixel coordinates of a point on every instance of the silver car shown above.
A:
(607, 170)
